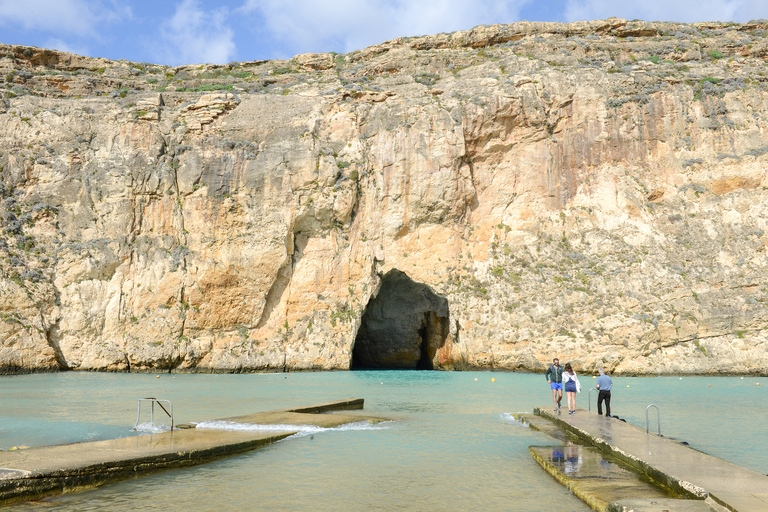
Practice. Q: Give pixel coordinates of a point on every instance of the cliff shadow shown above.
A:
(402, 327)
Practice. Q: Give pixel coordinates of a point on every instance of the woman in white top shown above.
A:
(570, 381)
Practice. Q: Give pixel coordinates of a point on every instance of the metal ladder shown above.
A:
(159, 403)
(589, 399)
(658, 418)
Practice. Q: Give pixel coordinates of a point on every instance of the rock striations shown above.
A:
(484, 199)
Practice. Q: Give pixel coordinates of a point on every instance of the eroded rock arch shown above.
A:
(402, 327)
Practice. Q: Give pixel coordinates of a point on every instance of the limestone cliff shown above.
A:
(492, 198)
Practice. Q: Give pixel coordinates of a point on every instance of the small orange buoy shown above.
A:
(710, 385)
(757, 383)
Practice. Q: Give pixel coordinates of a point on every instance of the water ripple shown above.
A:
(509, 419)
(301, 430)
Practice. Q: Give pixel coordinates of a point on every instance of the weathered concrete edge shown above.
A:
(347, 404)
(587, 498)
(40, 484)
(660, 505)
(625, 505)
(684, 488)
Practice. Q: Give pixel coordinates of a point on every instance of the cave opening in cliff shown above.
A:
(403, 327)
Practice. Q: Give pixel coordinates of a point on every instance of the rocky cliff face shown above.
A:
(483, 199)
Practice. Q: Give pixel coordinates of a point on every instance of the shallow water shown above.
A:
(453, 444)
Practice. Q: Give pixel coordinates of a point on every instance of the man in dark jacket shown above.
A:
(554, 377)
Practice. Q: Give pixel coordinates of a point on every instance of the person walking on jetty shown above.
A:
(604, 385)
(554, 377)
(572, 386)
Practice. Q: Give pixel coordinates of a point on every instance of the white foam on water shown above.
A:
(509, 418)
(152, 428)
(301, 430)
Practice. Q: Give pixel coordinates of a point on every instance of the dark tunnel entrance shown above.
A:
(402, 328)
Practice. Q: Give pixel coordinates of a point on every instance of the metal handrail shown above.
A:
(154, 401)
(658, 418)
(589, 399)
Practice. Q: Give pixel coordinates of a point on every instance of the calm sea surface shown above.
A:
(453, 444)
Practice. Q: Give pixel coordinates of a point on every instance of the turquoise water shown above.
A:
(452, 446)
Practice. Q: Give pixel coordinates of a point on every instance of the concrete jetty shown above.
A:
(712, 482)
(595, 478)
(36, 472)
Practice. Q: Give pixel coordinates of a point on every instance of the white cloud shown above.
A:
(687, 11)
(78, 17)
(195, 36)
(64, 46)
(346, 25)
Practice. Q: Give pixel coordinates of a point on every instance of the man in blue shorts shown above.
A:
(555, 378)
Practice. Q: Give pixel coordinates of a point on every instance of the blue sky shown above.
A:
(175, 32)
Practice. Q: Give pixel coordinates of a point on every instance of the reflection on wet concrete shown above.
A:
(708, 483)
(596, 478)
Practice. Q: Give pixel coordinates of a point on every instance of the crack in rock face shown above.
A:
(403, 327)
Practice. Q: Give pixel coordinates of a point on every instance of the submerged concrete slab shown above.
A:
(546, 426)
(600, 480)
(296, 418)
(597, 479)
(684, 469)
(348, 404)
(36, 472)
(659, 505)
(322, 415)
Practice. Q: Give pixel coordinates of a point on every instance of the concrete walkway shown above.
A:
(599, 480)
(684, 469)
(35, 472)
